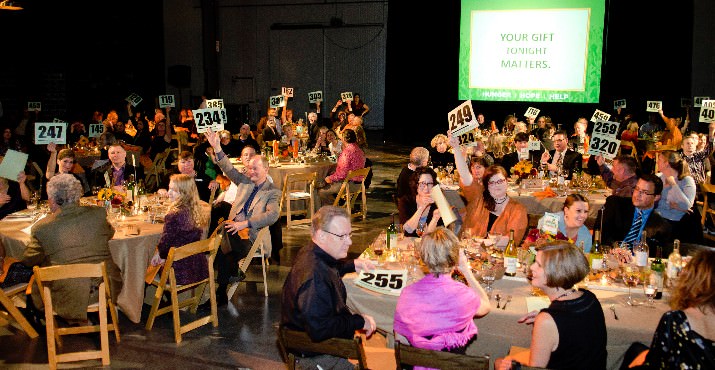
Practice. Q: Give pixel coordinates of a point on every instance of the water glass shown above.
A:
(650, 290)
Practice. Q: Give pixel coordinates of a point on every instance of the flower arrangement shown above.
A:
(537, 237)
(111, 195)
(523, 169)
(622, 255)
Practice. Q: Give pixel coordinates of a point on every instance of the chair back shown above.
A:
(292, 341)
(408, 355)
(708, 191)
(345, 194)
(298, 187)
(12, 311)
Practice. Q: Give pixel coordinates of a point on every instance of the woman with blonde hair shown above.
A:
(183, 224)
(678, 196)
(437, 312)
(630, 134)
(440, 154)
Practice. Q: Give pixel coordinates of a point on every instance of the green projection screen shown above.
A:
(531, 50)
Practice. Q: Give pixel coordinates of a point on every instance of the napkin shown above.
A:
(546, 193)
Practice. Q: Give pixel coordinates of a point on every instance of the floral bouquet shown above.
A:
(111, 195)
(523, 169)
(537, 237)
(621, 254)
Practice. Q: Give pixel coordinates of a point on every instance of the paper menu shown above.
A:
(12, 164)
(445, 209)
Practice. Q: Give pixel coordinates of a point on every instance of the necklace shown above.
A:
(502, 200)
(572, 291)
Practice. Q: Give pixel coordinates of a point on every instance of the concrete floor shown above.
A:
(245, 337)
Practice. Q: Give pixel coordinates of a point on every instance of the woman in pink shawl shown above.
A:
(437, 312)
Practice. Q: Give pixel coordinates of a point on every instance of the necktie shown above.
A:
(635, 228)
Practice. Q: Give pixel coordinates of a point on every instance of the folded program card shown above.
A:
(536, 303)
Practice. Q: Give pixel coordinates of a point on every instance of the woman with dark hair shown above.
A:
(359, 108)
(678, 197)
(571, 219)
(9, 141)
(352, 158)
(417, 210)
(571, 332)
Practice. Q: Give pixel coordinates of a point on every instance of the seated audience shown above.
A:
(245, 139)
(623, 175)
(678, 197)
(685, 336)
(522, 152)
(352, 158)
(334, 143)
(231, 145)
(624, 219)
(562, 157)
(571, 219)
(204, 184)
(313, 298)
(437, 312)
(70, 234)
(417, 210)
(571, 332)
(419, 157)
(118, 170)
(64, 162)
(183, 224)
(439, 154)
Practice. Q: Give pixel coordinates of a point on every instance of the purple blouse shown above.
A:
(180, 230)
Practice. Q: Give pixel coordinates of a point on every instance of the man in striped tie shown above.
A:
(624, 219)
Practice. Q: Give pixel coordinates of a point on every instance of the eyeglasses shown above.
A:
(425, 184)
(559, 140)
(497, 182)
(343, 236)
(642, 192)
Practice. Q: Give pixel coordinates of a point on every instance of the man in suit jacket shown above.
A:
(71, 234)
(255, 206)
(521, 142)
(619, 215)
(569, 159)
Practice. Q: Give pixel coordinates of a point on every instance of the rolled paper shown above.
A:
(134, 161)
(445, 209)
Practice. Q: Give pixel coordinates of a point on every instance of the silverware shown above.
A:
(498, 297)
(508, 299)
(613, 308)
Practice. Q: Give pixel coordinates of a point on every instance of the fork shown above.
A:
(613, 308)
(508, 299)
(498, 297)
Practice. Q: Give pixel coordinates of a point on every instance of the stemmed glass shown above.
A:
(650, 290)
(631, 276)
(488, 276)
(34, 200)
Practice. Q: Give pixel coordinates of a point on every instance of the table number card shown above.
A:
(604, 139)
(550, 223)
(534, 144)
(461, 119)
(315, 96)
(287, 91)
(620, 103)
(600, 115)
(653, 105)
(134, 99)
(167, 101)
(50, 132)
(95, 129)
(389, 282)
(214, 118)
(34, 106)
(214, 103)
(346, 96)
(276, 101)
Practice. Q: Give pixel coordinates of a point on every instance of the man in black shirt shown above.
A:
(419, 156)
(314, 297)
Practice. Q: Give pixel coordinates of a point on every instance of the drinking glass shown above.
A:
(400, 232)
(488, 276)
(650, 290)
(631, 276)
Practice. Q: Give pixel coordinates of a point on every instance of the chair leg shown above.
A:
(103, 331)
(17, 315)
(288, 211)
(265, 281)
(364, 205)
(50, 326)
(154, 307)
(115, 322)
(175, 315)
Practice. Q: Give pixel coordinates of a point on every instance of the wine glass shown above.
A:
(650, 290)
(421, 226)
(631, 276)
(449, 168)
(488, 276)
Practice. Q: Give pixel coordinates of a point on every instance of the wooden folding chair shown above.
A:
(344, 194)
(167, 282)
(298, 187)
(291, 341)
(157, 170)
(708, 191)
(408, 355)
(54, 333)
(13, 313)
(258, 250)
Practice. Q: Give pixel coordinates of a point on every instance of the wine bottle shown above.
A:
(641, 251)
(595, 258)
(510, 256)
(656, 268)
(675, 262)
(131, 188)
(391, 235)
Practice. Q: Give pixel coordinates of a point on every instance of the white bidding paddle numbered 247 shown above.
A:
(213, 118)
(461, 119)
(604, 139)
(50, 132)
(383, 281)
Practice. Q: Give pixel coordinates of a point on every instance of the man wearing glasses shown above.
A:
(624, 219)
(314, 297)
(561, 156)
